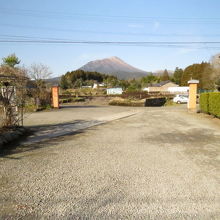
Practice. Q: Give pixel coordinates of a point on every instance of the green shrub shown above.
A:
(210, 103)
(214, 103)
(78, 99)
(204, 102)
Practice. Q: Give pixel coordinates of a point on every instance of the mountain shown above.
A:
(53, 81)
(114, 66)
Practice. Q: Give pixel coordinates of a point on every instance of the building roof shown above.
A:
(161, 83)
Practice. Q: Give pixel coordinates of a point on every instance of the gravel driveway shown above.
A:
(161, 163)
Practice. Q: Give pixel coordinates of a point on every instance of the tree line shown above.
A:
(79, 78)
(208, 74)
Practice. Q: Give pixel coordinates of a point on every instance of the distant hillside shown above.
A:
(53, 81)
(114, 66)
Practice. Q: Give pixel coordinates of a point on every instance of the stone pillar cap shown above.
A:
(193, 81)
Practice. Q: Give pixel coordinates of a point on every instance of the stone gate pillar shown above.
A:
(192, 94)
(55, 96)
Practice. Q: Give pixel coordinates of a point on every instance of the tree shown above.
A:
(215, 63)
(165, 76)
(177, 76)
(79, 78)
(149, 79)
(11, 60)
(135, 85)
(63, 82)
(124, 84)
(202, 72)
(40, 72)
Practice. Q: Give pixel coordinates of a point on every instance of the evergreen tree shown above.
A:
(165, 76)
(11, 60)
(202, 72)
(149, 79)
(177, 76)
(63, 82)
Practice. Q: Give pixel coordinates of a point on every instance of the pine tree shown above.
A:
(63, 82)
(11, 60)
(177, 76)
(165, 76)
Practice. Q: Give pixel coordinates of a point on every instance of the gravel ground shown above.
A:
(71, 113)
(161, 163)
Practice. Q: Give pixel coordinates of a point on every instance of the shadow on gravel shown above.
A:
(16, 148)
(54, 126)
(193, 137)
(19, 145)
(198, 143)
(113, 203)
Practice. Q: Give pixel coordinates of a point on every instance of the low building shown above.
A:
(179, 89)
(114, 91)
(167, 86)
(162, 86)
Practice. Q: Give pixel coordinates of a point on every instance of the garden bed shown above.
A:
(9, 135)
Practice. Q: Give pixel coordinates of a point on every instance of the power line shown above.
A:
(119, 42)
(23, 37)
(110, 18)
(57, 13)
(136, 43)
(106, 32)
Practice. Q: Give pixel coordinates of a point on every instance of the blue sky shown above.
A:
(110, 20)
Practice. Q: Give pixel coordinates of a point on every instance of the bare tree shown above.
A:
(39, 72)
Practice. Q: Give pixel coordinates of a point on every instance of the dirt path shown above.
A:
(162, 163)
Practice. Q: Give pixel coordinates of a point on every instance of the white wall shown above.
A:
(114, 91)
(179, 89)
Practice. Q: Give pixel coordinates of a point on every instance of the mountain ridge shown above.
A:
(114, 66)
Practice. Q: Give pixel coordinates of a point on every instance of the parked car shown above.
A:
(181, 99)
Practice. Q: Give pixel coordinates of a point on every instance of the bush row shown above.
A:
(210, 103)
(77, 99)
(127, 102)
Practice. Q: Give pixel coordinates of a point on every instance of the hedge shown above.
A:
(204, 102)
(214, 103)
(210, 103)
